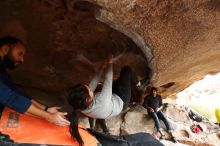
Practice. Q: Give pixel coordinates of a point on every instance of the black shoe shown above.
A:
(174, 139)
(106, 133)
(162, 137)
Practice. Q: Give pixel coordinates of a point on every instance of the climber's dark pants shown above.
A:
(101, 122)
(123, 85)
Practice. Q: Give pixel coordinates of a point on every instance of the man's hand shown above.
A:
(158, 109)
(59, 119)
(53, 110)
(151, 109)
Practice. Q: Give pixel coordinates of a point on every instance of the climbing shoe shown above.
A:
(173, 139)
(162, 137)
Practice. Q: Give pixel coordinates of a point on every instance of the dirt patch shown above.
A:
(183, 133)
(218, 135)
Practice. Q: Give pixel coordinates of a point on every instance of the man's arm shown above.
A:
(160, 104)
(51, 110)
(22, 104)
(39, 105)
(146, 104)
(159, 108)
(56, 118)
(6, 79)
(13, 100)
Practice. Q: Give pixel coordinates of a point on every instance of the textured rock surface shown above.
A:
(182, 35)
(65, 45)
(177, 39)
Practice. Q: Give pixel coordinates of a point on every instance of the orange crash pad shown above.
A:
(26, 129)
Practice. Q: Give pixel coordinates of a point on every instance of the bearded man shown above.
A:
(12, 52)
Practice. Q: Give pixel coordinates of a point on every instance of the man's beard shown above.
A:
(8, 62)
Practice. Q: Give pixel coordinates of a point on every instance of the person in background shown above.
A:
(153, 103)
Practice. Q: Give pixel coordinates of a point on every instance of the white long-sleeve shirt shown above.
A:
(105, 104)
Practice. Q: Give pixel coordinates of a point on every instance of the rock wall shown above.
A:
(65, 45)
(175, 42)
(183, 36)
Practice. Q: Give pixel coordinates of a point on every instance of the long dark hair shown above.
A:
(76, 98)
